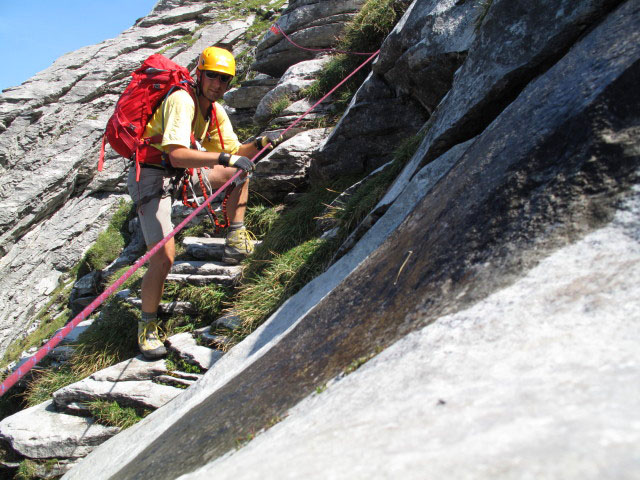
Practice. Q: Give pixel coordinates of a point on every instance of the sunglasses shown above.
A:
(223, 77)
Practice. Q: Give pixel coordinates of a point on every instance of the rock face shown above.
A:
(503, 273)
(496, 281)
(52, 125)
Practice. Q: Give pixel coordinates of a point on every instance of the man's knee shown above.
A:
(163, 260)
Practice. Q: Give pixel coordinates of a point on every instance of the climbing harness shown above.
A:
(205, 187)
(84, 314)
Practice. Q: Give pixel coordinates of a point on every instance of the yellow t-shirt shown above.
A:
(173, 121)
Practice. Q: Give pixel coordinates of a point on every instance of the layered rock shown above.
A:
(312, 24)
(53, 202)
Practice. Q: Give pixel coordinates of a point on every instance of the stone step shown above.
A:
(174, 381)
(42, 432)
(213, 341)
(198, 267)
(170, 308)
(186, 347)
(130, 383)
(204, 248)
(73, 335)
(202, 280)
(229, 320)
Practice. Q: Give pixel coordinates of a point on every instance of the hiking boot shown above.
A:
(238, 245)
(149, 341)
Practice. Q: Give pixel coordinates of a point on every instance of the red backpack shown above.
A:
(151, 84)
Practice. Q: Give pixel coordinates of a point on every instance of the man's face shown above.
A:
(214, 84)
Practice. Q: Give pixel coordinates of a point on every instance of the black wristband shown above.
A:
(223, 159)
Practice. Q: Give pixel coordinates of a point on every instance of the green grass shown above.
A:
(51, 317)
(48, 381)
(112, 414)
(109, 243)
(177, 364)
(27, 470)
(279, 105)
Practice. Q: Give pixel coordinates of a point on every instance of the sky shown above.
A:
(34, 33)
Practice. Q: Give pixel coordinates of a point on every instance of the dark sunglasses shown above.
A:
(223, 77)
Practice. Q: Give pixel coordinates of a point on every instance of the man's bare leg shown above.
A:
(160, 263)
(153, 281)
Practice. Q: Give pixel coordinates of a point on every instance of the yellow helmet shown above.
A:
(218, 60)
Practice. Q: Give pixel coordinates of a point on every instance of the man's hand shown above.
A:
(263, 141)
(243, 163)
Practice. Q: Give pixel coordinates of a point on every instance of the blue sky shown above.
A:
(34, 33)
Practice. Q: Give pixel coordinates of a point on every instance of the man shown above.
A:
(177, 118)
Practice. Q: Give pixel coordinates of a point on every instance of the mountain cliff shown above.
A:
(495, 283)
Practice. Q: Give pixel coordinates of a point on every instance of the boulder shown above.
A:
(285, 169)
(296, 78)
(249, 94)
(42, 432)
(424, 49)
(310, 24)
(375, 124)
(188, 349)
(141, 394)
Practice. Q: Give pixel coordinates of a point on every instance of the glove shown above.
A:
(263, 141)
(243, 163)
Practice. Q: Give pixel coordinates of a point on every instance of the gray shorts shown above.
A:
(153, 206)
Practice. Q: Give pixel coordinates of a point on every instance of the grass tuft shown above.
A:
(112, 414)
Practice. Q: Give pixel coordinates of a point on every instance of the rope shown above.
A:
(12, 379)
(276, 29)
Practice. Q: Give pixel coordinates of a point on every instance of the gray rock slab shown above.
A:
(513, 45)
(188, 349)
(539, 379)
(286, 167)
(74, 334)
(202, 280)
(136, 368)
(194, 267)
(168, 308)
(132, 393)
(309, 24)
(296, 78)
(42, 432)
(204, 248)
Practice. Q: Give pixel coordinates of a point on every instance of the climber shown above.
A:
(179, 120)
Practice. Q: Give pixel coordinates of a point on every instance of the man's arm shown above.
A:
(182, 157)
(248, 150)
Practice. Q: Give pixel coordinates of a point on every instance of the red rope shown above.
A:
(275, 28)
(12, 379)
